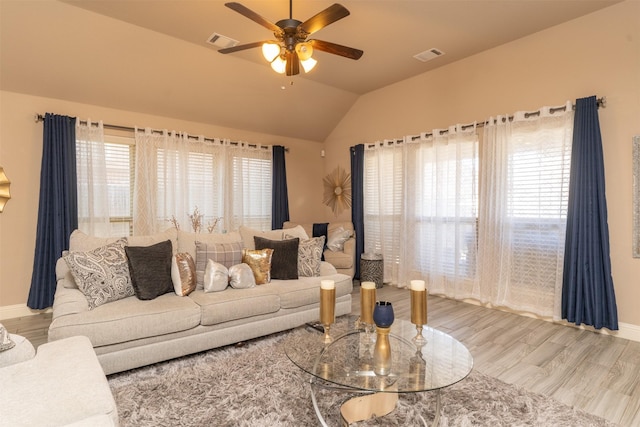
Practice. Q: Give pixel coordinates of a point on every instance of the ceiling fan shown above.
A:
(291, 47)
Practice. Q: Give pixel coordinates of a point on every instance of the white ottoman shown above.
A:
(62, 385)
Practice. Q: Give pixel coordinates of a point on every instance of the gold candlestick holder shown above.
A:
(367, 304)
(419, 314)
(327, 311)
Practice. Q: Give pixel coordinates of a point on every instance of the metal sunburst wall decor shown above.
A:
(337, 190)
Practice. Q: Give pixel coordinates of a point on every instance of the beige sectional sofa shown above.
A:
(344, 258)
(129, 333)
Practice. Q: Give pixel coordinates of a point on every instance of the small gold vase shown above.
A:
(382, 352)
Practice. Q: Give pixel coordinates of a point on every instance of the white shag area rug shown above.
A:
(255, 384)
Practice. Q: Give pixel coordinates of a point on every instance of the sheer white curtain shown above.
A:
(247, 200)
(420, 206)
(175, 173)
(93, 195)
(522, 217)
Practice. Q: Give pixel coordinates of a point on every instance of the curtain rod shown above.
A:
(40, 118)
(601, 103)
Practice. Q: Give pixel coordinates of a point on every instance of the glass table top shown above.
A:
(348, 360)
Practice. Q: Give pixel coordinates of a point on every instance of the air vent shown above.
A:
(428, 55)
(221, 41)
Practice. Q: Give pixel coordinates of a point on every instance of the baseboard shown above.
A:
(626, 331)
(19, 310)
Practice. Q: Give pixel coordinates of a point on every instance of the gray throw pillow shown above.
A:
(284, 261)
(227, 254)
(150, 269)
(102, 274)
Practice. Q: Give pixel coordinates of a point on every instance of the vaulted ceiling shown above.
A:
(152, 56)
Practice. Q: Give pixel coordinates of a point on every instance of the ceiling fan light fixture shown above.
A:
(270, 51)
(279, 65)
(304, 50)
(308, 64)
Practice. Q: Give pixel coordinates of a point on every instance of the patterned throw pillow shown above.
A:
(310, 256)
(227, 254)
(183, 274)
(284, 262)
(259, 260)
(102, 274)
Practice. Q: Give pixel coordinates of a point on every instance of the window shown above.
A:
(176, 174)
(475, 220)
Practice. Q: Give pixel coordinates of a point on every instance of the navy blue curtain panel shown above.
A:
(587, 286)
(280, 196)
(357, 200)
(58, 208)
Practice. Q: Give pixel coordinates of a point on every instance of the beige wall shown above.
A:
(598, 54)
(21, 154)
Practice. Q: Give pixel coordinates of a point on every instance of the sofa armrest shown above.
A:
(350, 247)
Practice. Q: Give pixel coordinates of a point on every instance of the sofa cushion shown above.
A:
(339, 259)
(82, 242)
(124, 320)
(306, 290)
(248, 235)
(102, 274)
(150, 269)
(152, 239)
(233, 304)
(183, 274)
(227, 254)
(284, 262)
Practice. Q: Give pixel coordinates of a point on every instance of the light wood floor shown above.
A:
(596, 373)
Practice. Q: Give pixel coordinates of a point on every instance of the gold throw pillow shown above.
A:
(259, 260)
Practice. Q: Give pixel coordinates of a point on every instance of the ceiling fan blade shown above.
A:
(328, 16)
(293, 63)
(336, 49)
(253, 16)
(245, 46)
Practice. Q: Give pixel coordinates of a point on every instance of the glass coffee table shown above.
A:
(346, 365)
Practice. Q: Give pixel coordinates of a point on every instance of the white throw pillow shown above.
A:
(216, 277)
(241, 277)
(336, 239)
